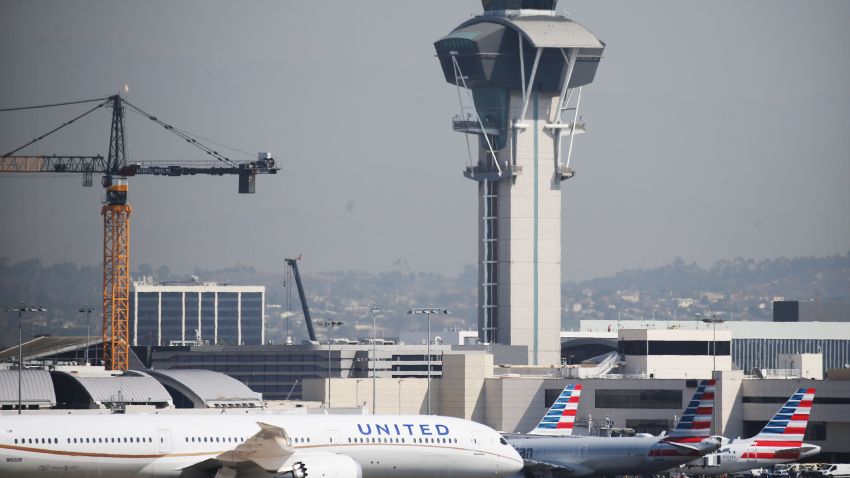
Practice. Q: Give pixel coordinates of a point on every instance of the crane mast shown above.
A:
(293, 265)
(116, 209)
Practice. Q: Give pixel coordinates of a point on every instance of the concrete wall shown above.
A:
(394, 395)
(809, 365)
(676, 366)
(728, 400)
(462, 385)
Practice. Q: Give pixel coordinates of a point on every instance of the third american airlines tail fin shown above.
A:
(695, 424)
(561, 417)
(787, 428)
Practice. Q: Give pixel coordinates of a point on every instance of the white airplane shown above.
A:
(780, 441)
(579, 456)
(251, 445)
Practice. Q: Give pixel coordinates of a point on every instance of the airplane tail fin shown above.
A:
(787, 428)
(695, 424)
(561, 417)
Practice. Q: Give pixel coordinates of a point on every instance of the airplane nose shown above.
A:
(510, 464)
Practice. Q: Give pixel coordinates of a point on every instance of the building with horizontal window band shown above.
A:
(750, 344)
(201, 313)
(279, 371)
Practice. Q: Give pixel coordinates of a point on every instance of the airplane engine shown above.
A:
(323, 465)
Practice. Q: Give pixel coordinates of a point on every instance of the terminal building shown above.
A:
(175, 313)
(642, 383)
(279, 371)
(753, 344)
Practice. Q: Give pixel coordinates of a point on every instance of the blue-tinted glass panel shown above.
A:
(171, 321)
(191, 315)
(228, 318)
(146, 327)
(208, 317)
(252, 318)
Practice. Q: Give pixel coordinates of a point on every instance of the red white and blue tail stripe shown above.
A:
(695, 424)
(782, 437)
(561, 417)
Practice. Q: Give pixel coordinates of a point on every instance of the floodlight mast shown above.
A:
(519, 69)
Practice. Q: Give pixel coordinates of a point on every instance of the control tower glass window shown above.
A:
(519, 4)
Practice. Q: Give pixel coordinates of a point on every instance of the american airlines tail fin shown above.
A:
(695, 424)
(787, 428)
(561, 417)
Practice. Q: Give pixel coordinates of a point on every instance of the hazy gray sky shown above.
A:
(716, 129)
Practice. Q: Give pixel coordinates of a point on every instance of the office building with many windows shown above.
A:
(197, 313)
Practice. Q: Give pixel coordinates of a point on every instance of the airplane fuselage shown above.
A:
(162, 445)
(743, 455)
(586, 456)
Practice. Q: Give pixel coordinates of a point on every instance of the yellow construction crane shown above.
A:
(116, 210)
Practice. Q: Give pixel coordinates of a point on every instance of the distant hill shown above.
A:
(740, 286)
(820, 278)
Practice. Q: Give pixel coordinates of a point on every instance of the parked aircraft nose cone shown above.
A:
(510, 464)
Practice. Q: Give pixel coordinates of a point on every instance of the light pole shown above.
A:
(713, 320)
(428, 311)
(20, 309)
(374, 310)
(357, 391)
(329, 324)
(87, 310)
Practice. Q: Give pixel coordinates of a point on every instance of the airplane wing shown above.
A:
(267, 449)
(556, 471)
(683, 446)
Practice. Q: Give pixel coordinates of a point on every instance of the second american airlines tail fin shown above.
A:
(784, 432)
(561, 417)
(695, 424)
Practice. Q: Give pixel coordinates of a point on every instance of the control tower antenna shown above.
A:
(522, 66)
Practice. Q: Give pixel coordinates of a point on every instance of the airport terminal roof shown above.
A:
(36, 388)
(741, 329)
(129, 388)
(45, 346)
(208, 388)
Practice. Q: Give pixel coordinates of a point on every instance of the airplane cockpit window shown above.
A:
(503, 441)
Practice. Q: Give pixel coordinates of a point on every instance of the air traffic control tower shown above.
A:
(519, 68)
